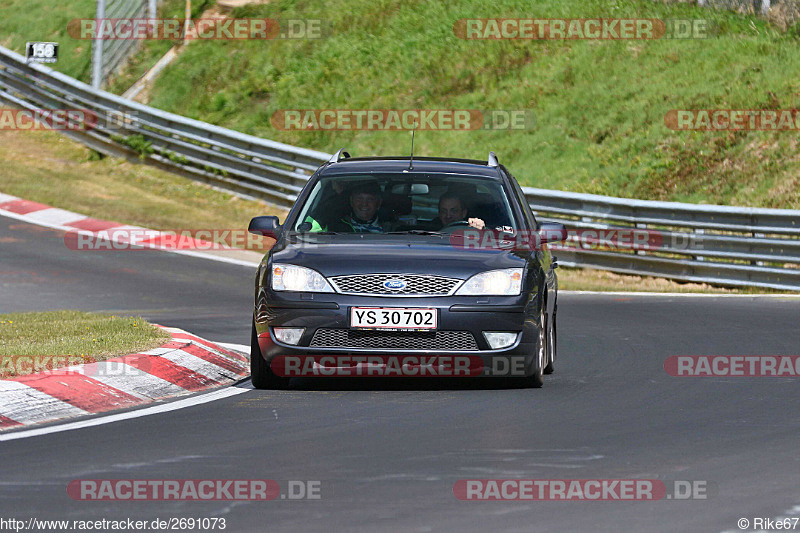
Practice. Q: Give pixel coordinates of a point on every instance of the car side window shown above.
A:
(526, 208)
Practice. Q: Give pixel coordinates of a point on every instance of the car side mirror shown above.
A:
(552, 232)
(268, 226)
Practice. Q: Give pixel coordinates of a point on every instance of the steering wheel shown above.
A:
(456, 224)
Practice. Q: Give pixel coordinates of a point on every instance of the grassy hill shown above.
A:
(41, 20)
(599, 105)
(45, 20)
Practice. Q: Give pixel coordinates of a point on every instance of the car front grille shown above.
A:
(415, 285)
(452, 341)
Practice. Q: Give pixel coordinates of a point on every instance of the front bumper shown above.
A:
(331, 312)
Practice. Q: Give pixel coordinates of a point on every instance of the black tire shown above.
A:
(536, 380)
(552, 341)
(260, 373)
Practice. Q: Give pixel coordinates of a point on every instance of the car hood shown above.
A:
(338, 255)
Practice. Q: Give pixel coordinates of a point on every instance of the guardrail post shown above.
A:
(758, 236)
(97, 53)
(152, 9)
(188, 21)
(642, 226)
(699, 231)
(582, 244)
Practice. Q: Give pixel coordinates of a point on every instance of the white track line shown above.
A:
(218, 394)
(27, 218)
(682, 294)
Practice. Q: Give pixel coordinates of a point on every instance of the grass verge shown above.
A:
(32, 342)
(589, 279)
(49, 168)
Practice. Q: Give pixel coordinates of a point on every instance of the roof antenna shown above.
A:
(411, 160)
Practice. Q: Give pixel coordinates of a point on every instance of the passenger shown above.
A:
(365, 200)
(453, 213)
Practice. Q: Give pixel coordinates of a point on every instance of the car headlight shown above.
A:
(507, 282)
(297, 278)
(292, 335)
(498, 339)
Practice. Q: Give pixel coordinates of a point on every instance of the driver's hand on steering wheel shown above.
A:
(476, 223)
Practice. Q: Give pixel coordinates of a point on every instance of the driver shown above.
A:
(365, 200)
(453, 213)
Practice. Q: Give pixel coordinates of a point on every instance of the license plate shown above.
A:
(393, 318)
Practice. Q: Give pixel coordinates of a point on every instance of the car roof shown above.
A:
(359, 165)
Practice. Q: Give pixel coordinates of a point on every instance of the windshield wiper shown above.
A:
(415, 232)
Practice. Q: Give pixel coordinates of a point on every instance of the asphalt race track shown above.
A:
(387, 452)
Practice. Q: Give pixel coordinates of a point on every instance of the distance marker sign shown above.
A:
(42, 52)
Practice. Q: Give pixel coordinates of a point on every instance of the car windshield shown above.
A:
(421, 203)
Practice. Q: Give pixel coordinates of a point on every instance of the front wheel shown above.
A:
(260, 373)
(536, 380)
(552, 341)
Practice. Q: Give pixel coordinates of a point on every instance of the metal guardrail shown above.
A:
(720, 245)
(247, 165)
(723, 245)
